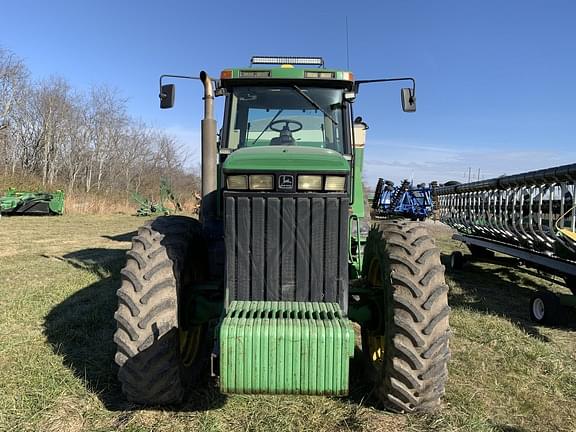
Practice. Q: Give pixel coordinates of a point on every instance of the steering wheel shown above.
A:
(286, 123)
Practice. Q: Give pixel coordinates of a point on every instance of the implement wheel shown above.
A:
(456, 260)
(156, 353)
(408, 346)
(545, 308)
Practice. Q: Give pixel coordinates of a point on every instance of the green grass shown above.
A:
(58, 278)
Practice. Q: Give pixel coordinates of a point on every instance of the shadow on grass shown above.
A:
(81, 329)
(502, 290)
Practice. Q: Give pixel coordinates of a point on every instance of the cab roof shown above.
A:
(287, 72)
(264, 68)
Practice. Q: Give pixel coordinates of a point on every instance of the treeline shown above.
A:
(81, 142)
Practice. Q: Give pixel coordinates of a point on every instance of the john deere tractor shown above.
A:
(261, 293)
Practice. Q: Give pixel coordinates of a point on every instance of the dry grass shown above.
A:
(92, 204)
(100, 204)
(58, 278)
(95, 202)
(105, 204)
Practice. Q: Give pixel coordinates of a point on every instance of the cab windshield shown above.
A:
(286, 115)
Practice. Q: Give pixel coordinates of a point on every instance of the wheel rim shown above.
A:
(538, 309)
(453, 261)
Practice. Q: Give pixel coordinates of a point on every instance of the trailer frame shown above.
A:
(545, 306)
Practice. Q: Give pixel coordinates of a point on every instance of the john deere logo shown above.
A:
(286, 182)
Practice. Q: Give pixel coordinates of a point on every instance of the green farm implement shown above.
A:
(150, 208)
(32, 203)
(261, 292)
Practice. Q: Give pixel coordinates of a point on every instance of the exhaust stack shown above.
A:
(208, 126)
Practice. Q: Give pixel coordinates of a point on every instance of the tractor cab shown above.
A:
(285, 105)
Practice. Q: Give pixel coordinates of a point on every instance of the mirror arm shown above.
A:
(177, 76)
(174, 76)
(357, 83)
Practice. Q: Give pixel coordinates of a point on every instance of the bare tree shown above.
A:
(52, 134)
(13, 80)
(13, 83)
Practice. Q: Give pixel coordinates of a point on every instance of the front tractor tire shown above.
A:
(166, 256)
(408, 344)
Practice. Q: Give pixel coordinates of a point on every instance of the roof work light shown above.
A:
(304, 61)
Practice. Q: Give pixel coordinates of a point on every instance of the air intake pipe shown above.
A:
(208, 125)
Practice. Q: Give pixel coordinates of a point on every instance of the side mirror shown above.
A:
(408, 100)
(167, 95)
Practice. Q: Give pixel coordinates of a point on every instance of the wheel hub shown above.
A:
(538, 309)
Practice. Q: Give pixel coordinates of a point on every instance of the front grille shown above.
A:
(286, 247)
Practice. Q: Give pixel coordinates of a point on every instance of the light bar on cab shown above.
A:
(305, 61)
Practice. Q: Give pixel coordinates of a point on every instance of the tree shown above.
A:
(81, 141)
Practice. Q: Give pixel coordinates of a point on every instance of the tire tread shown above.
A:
(147, 338)
(417, 340)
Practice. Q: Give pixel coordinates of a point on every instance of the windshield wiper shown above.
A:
(267, 126)
(315, 104)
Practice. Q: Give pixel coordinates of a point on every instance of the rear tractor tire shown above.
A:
(409, 347)
(155, 361)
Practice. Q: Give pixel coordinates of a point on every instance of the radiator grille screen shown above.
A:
(287, 247)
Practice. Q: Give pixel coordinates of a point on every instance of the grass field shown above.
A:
(58, 278)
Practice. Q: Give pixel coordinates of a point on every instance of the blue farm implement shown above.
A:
(402, 201)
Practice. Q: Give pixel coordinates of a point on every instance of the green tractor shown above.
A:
(261, 293)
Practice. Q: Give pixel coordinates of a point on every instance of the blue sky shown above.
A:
(496, 81)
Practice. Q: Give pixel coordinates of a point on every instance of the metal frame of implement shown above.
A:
(530, 216)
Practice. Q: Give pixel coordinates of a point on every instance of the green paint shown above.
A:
(357, 214)
(56, 204)
(286, 158)
(14, 202)
(285, 347)
(291, 73)
(358, 204)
